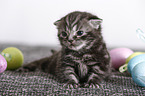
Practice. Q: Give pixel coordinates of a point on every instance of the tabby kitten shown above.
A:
(83, 59)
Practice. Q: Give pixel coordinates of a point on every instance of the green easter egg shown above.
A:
(14, 58)
(133, 55)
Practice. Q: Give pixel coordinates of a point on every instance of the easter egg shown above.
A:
(119, 56)
(133, 55)
(138, 74)
(3, 64)
(14, 57)
(134, 61)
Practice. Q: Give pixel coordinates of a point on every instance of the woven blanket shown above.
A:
(38, 83)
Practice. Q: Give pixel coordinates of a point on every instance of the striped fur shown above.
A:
(84, 58)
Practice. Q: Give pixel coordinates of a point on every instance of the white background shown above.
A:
(31, 21)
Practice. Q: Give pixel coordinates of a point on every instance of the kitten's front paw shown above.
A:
(92, 85)
(71, 84)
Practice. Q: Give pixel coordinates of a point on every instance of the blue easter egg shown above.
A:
(138, 74)
(134, 61)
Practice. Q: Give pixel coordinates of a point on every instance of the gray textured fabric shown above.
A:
(39, 83)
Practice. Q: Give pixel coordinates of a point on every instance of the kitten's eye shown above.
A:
(79, 33)
(64, 34)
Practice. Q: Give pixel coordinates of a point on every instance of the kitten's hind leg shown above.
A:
(32, 66)
(28, 67)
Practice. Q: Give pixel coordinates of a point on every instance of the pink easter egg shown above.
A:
(119, 56)
(3, 64)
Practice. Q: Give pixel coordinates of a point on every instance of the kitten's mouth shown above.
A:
(78, 45)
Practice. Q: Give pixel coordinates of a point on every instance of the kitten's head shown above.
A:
(78, 30)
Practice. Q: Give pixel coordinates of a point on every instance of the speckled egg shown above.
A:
(3, 64)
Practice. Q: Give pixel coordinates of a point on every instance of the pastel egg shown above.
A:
(119, 56)
(3, 64)
(134, 61)
(138, 74)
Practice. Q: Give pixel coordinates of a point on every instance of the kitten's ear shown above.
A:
(95, 23)
(56, 23)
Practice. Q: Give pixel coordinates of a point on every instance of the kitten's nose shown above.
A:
(70, 41)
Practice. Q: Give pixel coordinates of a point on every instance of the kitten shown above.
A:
(83, 59)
